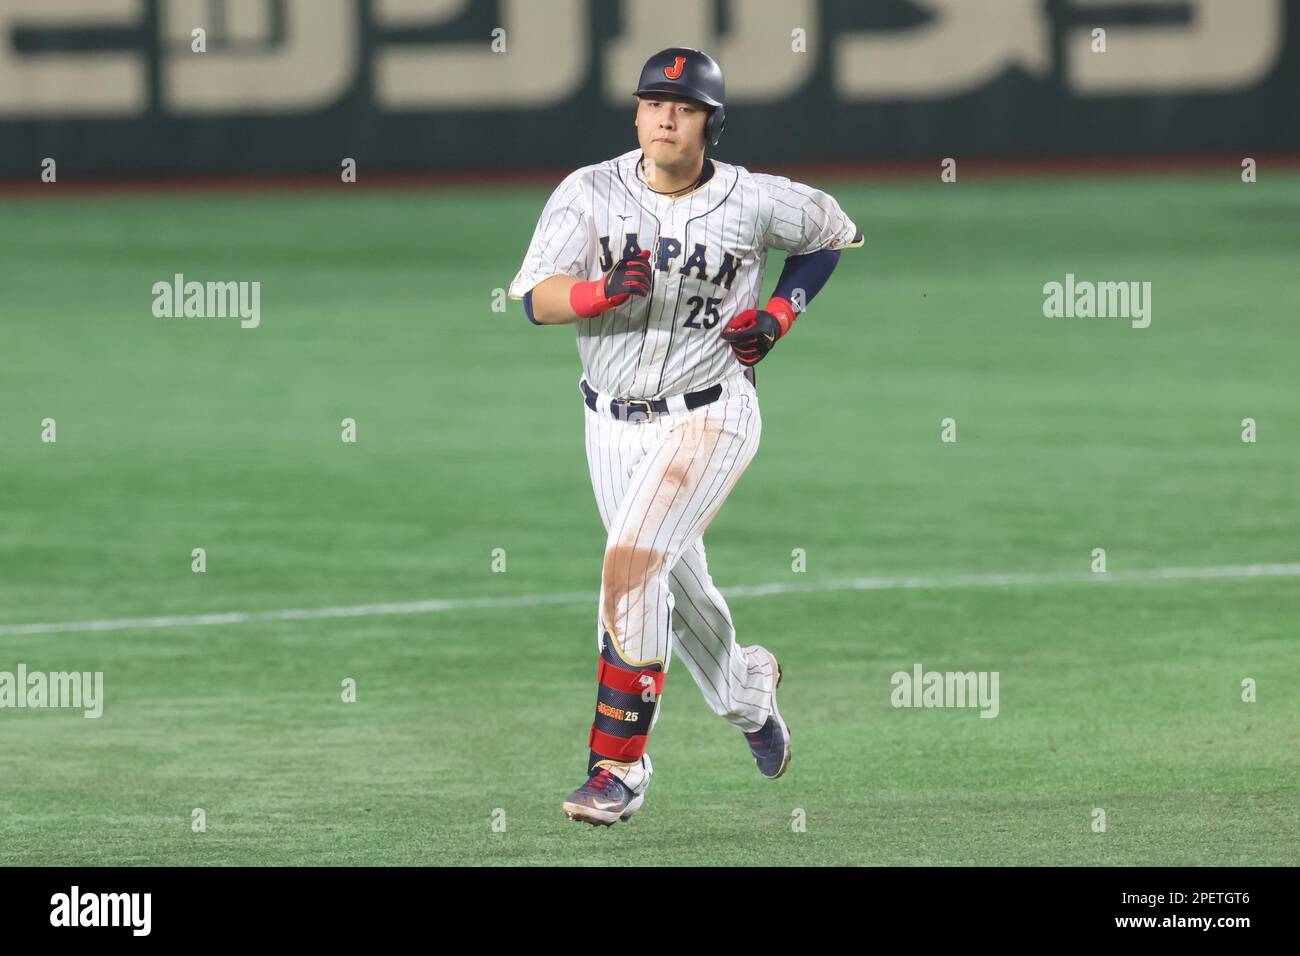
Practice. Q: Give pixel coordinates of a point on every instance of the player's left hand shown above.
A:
(751, 335)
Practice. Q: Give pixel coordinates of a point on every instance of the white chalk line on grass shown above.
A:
(760, 590)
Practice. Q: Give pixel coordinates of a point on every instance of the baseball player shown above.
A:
(657, 256)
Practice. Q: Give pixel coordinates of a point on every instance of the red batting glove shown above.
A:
(630, 276)
(752, 333)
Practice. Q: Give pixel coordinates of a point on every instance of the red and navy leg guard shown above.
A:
(626, 698)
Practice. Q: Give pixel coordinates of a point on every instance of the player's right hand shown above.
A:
(630, 276)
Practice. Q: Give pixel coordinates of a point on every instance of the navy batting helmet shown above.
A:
(690, 73)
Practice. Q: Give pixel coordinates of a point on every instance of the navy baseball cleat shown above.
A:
(770, 744)
(603, 800)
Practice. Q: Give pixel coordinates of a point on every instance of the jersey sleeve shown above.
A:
(563, 243)
(803, 219)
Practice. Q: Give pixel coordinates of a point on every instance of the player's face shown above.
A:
(671, 130)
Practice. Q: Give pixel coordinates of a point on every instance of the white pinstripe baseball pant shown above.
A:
(658, 484)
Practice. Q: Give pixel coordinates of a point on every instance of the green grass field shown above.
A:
(1073, 434)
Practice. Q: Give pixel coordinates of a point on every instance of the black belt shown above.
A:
(644, 409)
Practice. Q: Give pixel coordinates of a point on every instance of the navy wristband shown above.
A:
(528, 307)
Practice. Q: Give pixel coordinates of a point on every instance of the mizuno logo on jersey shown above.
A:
(669, 250)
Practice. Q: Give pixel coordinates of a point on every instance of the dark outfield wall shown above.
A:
(114, 86)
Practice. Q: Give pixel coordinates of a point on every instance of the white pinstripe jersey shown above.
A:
(708, 251)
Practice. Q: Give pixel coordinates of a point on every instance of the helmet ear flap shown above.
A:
(714, 126)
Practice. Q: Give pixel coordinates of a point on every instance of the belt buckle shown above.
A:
(645, 415)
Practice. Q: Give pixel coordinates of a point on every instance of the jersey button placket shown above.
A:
(658, 335)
